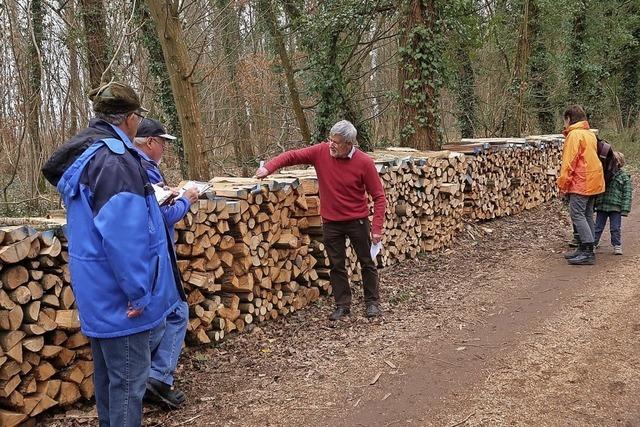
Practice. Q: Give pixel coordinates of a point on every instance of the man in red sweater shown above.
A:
(345, 176)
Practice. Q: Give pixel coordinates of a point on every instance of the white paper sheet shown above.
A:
(375, 250)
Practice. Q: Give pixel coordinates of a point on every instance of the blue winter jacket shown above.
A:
(119, 252)
(177, 210)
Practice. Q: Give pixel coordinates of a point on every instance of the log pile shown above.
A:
(244, 256)
(251, 251)
(507, 176)
(424, 205)
(44, 358)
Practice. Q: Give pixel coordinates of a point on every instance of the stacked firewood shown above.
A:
(424, 201)
(244, 256)
(250, 251)
(424, 205)
(507, 176)
(44, 358)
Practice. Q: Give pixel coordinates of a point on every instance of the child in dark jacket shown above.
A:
(613, 204)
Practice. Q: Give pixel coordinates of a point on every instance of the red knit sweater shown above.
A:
(343, 183)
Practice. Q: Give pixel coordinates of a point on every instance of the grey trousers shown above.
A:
(581, 211)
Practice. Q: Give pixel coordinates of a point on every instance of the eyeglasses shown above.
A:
(159, 141)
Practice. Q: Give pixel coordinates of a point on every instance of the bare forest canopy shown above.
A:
(240, 81)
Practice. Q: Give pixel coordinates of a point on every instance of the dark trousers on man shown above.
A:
(358, 232)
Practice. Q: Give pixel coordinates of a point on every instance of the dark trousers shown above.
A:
(615, 223)
(335, 234)
(121, 369)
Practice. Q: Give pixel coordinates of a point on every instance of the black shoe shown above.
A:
(163, 393)
(573, 254)
(339, 313)
(575, 242)
(373, 310)
(585, 257)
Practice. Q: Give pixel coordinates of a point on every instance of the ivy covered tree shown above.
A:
(163, 95)
(331, 36)
(420, 74)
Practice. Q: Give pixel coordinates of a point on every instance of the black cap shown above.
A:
(150, 127)
(116, 98)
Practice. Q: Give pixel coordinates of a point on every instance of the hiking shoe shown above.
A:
(339, 313)
(373, 310)
(573, 254)
(575, 242)
(164, 394)
(617, 250)
(585, 257)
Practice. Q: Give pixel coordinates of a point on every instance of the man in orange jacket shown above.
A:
(581, 178)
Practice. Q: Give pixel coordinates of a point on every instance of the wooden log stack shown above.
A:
(507, 176)
(424, 201)
(45, 360)
(251, 251)
(244, 257)
(424, 205)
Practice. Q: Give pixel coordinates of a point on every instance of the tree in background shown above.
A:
(97, 42)
(174, 47)
(34, 92)
(332, 37)
(278, 40)
(239, 80)
(163, 95)
(462, 30)
(420, 74)
(231, 42)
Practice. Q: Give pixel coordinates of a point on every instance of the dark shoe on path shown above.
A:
(159, 392)
(373, 310)
(575, 242)
(573, 254)
(585, 257)
(339, 313)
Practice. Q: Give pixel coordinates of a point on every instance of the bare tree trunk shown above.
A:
(520, 72)
(241, 137)
(75, 92)
(174, 48)
(539, 70)
(419, 103)
(465, 93)
(35, 97)
(266, 7)
(96, 40)
(148, 36)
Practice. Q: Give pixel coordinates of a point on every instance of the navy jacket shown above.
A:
(119, 252)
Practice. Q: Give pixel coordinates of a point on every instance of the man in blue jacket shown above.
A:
(123, 267)
(166, 343)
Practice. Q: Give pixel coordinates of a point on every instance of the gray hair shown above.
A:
(139, 141)
(114, 119)
(346, 130)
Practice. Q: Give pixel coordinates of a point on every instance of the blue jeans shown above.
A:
(120, 376)
(615, 223)
(166, 344)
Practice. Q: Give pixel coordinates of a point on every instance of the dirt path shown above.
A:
(497, 331)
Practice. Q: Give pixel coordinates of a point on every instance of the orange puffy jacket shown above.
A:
(581, 170)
